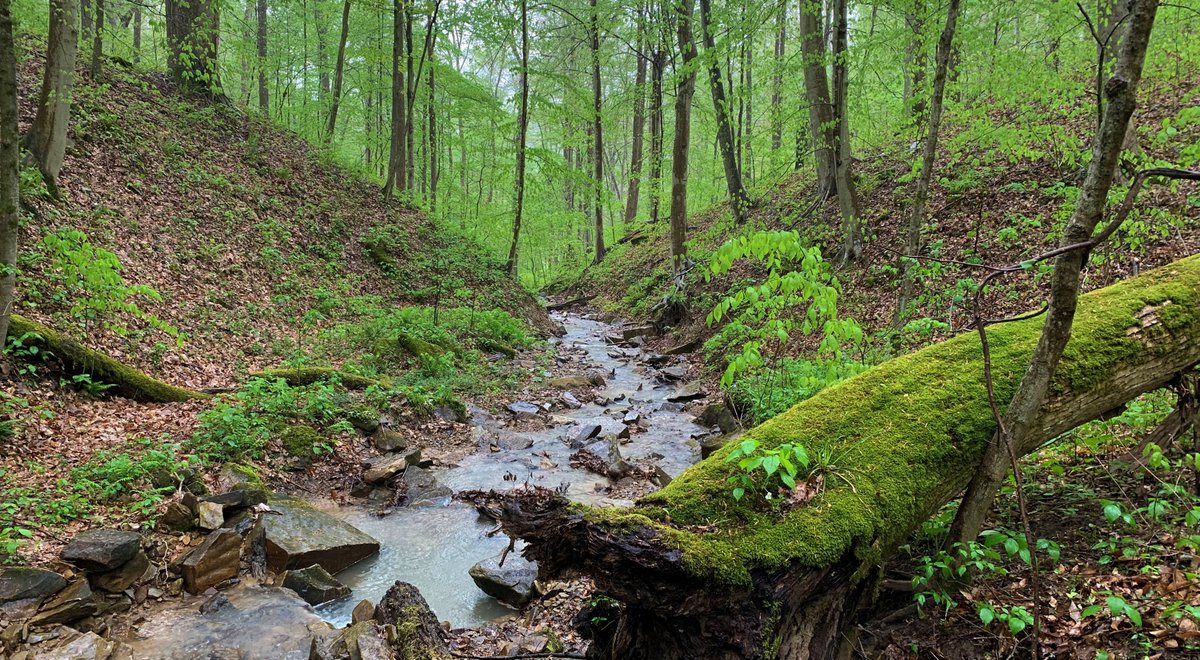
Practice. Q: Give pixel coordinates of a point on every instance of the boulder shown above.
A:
(388, 440)
(449, 413)
(178, 518)
(524, 409)
(315, 585)
(597, 377)
(213, 561)
(210, 515)
(70, 605)
(513, 441)
(423, 487)
(102, 549)
(719, 415)
(302, 536)
(22, 582)
(714, 442)
(114, 582)
(511, 584)
(629, 333)
(404, 607)
(246, 496)
(581, 434)
(385, 467)
(364, 611)
(569, 382)
(686, 347)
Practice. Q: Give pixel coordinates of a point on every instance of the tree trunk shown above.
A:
(336, 99)
(522, 131)
(777, 77)
(914, 60)
(1021, 415)
(85, 21)
(193, 32)
(844, 172)
(47, 138)
(396, 155)
(10, 156)
(96, 70)
(701, 575)
(684, 91)
(597, 130)
(822, 129)
(410, 95)
(739, 201)
(137, 34)
(912, 226)
(639, 122)
(658, 64)
(323, 84)
(432, 136)
(264, 101)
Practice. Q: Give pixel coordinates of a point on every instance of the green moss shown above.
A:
(302, 376)
(906, 435)
(129, 381)
(300, 440)
(243, 474)
(419, 347)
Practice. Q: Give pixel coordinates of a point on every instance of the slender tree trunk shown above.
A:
(739, 201)
(47, 138)
(323, 83)
(410, 94)
(777, 77)
(336, 99)
(657, 65)
(96, 70)
(522, 131)
(847, 198)
(747, 142)
(1065, 281)
(914, 60)
(912, 241)
(822, 128)
(137, 34)
(264, 101)
(193, 32)
(639, 121)
(597, 130)
(396, 176)
(432, 139)
(85, 21)
(10, 155)
(684, 91)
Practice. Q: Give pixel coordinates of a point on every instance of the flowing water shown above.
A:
(433, 545)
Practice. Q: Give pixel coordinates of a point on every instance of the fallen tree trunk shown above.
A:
(129, 382)
(301, 376)
(700, 575)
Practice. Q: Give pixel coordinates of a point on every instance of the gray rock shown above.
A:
(423, 487)
(178, 518)
(71, 604)
(511, 584)
(450, 414)
(689, 392)
(719, 415)
(714, 442)
(211, 515)
(385, 467)
(664, 475)
(513, 442)
(597, 377)
(86, 646)
(102, 549)
(114, 582)
(524, 409)
(631, 417)
(213, 561)
(609, 450)
(240, 497)
(315, 585)
(570, 401)
(674, 373)
(686, 347)
(302, 536)
(579, 436)
(21, 582)
(387, 440)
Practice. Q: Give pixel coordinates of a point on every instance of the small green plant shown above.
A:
(780, 466)
(25, 348)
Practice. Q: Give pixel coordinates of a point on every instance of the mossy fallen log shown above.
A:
(76, 357)
(301, 376)
(702, 575)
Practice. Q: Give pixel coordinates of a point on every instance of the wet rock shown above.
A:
(315, 585)
(570, 401)
(569, 382)
(364, 611)
(213, 561)
(609, 450)
(719, 415)
(656, 359)
(210, 515)
(513, 442)
(673, 373)
(85, 646)
(387, 440)
(102, 549)
(511, 584)
(524, 410)
(597, 377)
(689, 392)
(124, 577)
(579, 436)
(631, 417)
(70, 605)
(671, 407)
(404, 607)
(215, 603)
(22, 583)
(178, 518)
(712, 443)
(423, 487)
(664, 475)
(385, 467)
(365, 641)
(302, 536)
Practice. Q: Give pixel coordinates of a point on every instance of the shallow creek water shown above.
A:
(433, 545)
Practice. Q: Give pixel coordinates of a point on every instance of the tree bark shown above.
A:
(431, 134)
(522, 132)
(739, 201)
(323, 82)
(914, 60)
(1021, 414)
(264, 101)
(193, 33)
(10, 156)
(916, 217)
(396, 155)
(700, 575)
(47, 137)
(96, 70)
(777, 77)
(639, 121)
(658, 63)
(822, 128)
(597, 130)
(137, 34)
(336, 99)
(844, 169)
(684, 91)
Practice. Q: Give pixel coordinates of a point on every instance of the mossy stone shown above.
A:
(300, 440)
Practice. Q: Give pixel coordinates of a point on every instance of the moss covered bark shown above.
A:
(78, 358)
(302, 376)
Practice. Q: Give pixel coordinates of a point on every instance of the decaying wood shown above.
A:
(1129, 339)
(554, 307)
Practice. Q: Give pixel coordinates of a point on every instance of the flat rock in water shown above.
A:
(581, 434)
(673, 373)
(213, 561)
(303, 535)
(524, 409)
(513, 442)
(511, 584)
(102, 549)
(71, 604)
(21, 582)
(569, 382)
(689, 392)
(423, 487)
(315, 585)
(570, 401)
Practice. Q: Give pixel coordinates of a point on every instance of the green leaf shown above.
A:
(1015, 625)
(987, 615)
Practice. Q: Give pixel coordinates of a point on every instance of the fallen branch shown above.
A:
(301, 376)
